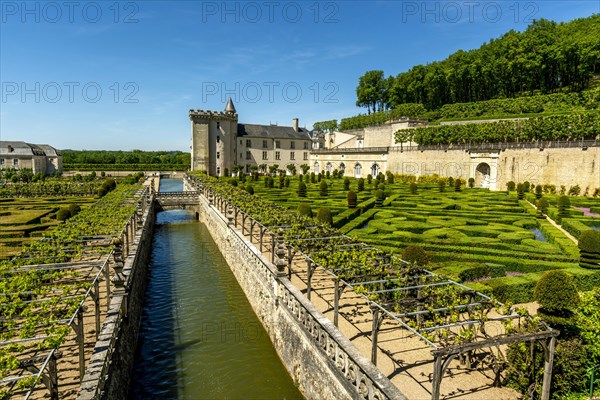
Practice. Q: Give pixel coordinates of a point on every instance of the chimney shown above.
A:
(295, 124)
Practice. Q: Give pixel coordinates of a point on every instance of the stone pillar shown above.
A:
(280, 261)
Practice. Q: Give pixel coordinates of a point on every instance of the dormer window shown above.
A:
(218, 139)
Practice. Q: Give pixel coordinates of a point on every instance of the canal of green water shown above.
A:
(199, 337)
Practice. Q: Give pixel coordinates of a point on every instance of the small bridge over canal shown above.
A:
(177, 200)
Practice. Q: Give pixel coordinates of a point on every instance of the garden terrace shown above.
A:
(56, 292)
(390, 303)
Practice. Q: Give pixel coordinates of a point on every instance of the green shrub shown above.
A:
(63, 214)
(415, 255)
(413, 188)
(74, 209)
(521, 191)
(471, 182)
(323, 189)
(369, 179)
(352, 199)
(287, 181)
(390, 177)
(542, 206)
(361, 184)
(442, 186)
(589, 249)
(324, 216)
(302, 189)
(574, 190)
(510, 186)
(457, 184)
(305, 209)
(379, 197)
(563, 207)
(249, 189)
(233, 182)
(538, 191)
(313, 178)
(346, 184)
(556, 292)
(450, 181)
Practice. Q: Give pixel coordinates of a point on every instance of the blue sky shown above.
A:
(123, 75)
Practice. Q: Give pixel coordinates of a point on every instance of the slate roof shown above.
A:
(272, 132)
(15, 148)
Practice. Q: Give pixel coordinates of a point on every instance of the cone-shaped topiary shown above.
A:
(390, 177)
(361, 184)
(352, 199)
(457, 184)
(302, 189)
(442, 186)
(589, 249)
(304, 209)
(346, 184)
(520, 191)
(538, 191)
(324, 216)
(287, 181)
(369, 179)
(471, 182)
(323, 189)
(313, 178)
(556, 293)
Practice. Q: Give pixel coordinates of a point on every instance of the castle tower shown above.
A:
(214, 139)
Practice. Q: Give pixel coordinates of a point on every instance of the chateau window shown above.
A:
(1, 161)
(248, 143)
(265, 155)
(218, 125)
(241, 142)
(248, 155)
(218, 155)
(306, 155)
(278, 144)
(278, 155)
(240, 155)
(218, 171)
(265, 144)
(218, 139)
(16, 162)
(305, 145)
(292, 155)
(247, 168)
(292, 145)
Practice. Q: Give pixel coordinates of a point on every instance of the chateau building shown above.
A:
(219, 142)
(37, 157)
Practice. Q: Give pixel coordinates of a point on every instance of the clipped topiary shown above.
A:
(589, 249)
(361, 184)
(233, 182)
(74, 209)
(323, 189)
(511, 186)
(527, 186)
(538, 191)
(450, 181)
(471, 182)
(369, 179)
(302, 189)
(413, 188)
(520, 191)
(63, 214)
(442, 186)
(390, 177)
(457, 184)
(304, 209)
(556, 293)
(563, 207)
(346, 183)
(287, 181)
(379, 197)
(415, 255)
(542, 206)
(324, 216)
(313, 178)
(352, 199)
(249, 189)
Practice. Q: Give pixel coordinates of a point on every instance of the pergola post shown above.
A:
(377, 320)
(437, 377)
(549, 346)
(309, 273)
(336, 300)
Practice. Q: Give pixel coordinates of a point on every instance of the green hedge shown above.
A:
(358, 221)
(574, 226)
(126, 167)
(348, 215)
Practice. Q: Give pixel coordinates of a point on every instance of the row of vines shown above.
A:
(36, 302)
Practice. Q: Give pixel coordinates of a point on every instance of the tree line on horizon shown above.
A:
(125, 157)
(547, 57)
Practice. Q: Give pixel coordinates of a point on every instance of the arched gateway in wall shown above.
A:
(482, 175)
(484, 169)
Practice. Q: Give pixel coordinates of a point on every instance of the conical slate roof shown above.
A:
(230, 107)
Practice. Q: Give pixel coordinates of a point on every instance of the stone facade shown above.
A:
(219, 142)
(372, 150)
(37, 157)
